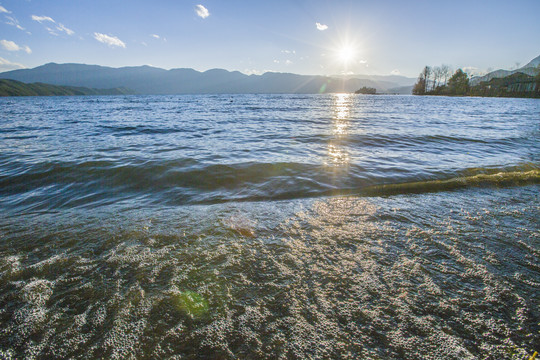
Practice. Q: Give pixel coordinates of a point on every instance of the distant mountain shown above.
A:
(533, 63)
(404, 90)
(529, 69)
(389, 80)
(17, 88)
(150, 80)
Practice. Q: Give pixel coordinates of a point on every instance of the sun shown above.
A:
(346, 54)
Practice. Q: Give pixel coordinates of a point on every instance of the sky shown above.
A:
(316, 37)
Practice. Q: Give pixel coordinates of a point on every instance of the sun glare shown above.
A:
(346, 54)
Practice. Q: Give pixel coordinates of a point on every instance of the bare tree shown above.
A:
(437, 77)
(426, 74)
(446, 72)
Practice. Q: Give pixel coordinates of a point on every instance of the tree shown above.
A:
(437, 77)
(537, 78)
(426, 73)
(446, 72)
(366, 90)
(458, 84)
(420, 87)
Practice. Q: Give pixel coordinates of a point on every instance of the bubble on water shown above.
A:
(123, 340)
(345, 279)
(37, 292)
(99, 316)
(7, 354)
(10, 266)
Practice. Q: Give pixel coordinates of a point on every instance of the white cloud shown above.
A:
(59, 27)
(41, 19)
(9, 45)
(395, 72)
(13, 22)
(109, 40)
(12, 46)
(6, 65)
(471, 70)
(3, 10)
(202, 11)
(51, 31)
(252, 72)
(157, 37)
(321, 27)
(256, 72)
(65, 29)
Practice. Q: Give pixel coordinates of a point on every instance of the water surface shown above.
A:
(269, 226)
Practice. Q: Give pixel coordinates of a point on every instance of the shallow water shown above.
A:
(269, 226)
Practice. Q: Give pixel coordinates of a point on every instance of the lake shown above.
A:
(269, 226)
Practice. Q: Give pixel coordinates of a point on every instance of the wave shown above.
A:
(484, 178)
(140, 130)
(188, 181)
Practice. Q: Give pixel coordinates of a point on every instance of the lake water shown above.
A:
(269, 226)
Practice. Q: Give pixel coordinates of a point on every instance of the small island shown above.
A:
(366, 90)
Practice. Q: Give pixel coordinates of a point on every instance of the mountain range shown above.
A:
(151, 80)
(529, 69)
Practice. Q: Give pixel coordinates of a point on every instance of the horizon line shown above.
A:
(203, 71)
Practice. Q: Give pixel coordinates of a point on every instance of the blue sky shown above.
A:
(305, 37)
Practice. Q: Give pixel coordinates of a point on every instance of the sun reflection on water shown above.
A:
(342, 111)
(337, 153)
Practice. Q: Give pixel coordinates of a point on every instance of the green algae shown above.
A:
(191, 303)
